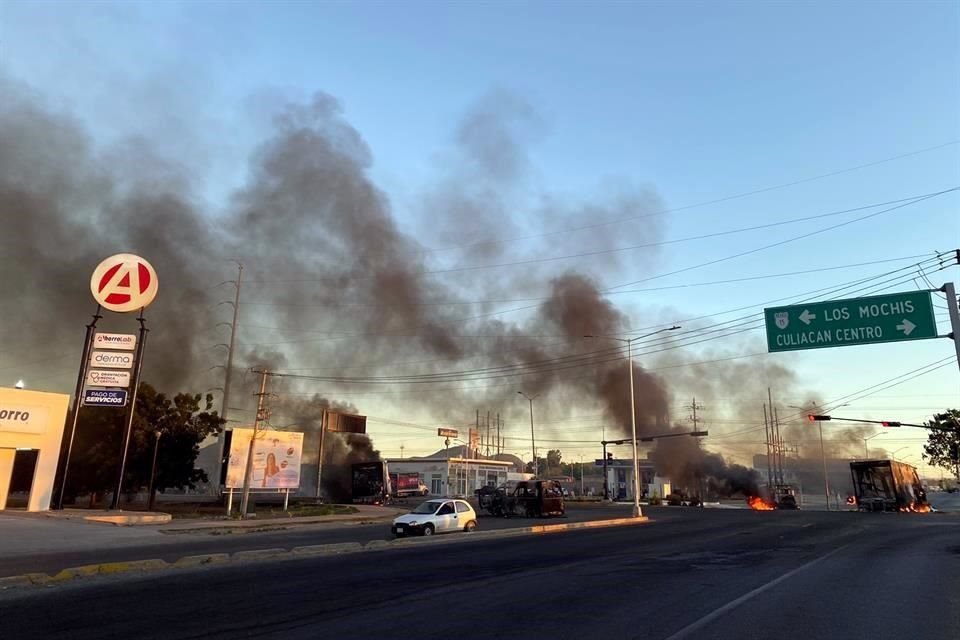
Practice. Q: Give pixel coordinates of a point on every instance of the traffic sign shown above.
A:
(842, 323)
(124, 283)
(447, 433)
(105, 398)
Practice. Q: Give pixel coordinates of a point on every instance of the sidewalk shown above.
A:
(24, 533)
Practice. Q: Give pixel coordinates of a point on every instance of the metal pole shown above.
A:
(286, 499)
(225, 407)
(248, 470)
(606, 477)
(153, 471)
(81, 380)
(823, 454)
(533, 442)
(229, 500)
(951, 294)
(581, 475)
(633, 426)
(135, 387)
(766, 431)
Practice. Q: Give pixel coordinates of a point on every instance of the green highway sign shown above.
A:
(842, 323)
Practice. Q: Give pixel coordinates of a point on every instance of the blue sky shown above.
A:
(697, 101)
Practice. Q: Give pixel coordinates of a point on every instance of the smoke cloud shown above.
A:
(330, 283)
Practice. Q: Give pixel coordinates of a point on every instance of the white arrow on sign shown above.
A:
(907, 327)
(806, 317)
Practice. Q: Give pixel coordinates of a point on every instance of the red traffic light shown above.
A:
(891, 423)
(815, 418)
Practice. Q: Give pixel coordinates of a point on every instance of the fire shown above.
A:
(914, 507)
(759, 504)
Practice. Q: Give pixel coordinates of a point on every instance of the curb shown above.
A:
(317, 550)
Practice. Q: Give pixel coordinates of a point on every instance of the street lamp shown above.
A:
(894, 454)
(153, 470)
(866, 454)
(633, 413)
(533, 442)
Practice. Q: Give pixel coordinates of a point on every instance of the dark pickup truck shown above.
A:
(530, 498)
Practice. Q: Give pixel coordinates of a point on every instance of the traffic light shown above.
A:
(609, 456)
(891, 423)
(815, 418)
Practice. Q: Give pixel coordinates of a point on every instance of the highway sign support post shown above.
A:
(954, 311)
(131, 408)
(78, 392)
(840, 323)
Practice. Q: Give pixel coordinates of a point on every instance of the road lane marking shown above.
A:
(733, 604)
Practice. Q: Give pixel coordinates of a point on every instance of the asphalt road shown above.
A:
(177, 545)
(694, 574)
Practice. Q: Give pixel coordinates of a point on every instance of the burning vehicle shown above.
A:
(530, 498)
(887, 485)
(370, 482)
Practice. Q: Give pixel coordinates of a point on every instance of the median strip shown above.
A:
(317, 550)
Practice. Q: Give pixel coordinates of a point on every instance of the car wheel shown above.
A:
(471, 526)
(428, 530)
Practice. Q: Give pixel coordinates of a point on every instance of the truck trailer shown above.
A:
(887, 485)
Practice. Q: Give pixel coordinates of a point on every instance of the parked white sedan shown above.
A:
(442, 515)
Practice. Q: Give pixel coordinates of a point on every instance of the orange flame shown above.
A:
(914, 507)
(759, 504)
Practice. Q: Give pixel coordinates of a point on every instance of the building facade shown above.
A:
(453, 476)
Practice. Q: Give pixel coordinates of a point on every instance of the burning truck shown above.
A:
(887, 485)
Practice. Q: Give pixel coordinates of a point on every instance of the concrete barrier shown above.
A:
(202, 560)
(328, 549)
(258, 554)
(131, 519)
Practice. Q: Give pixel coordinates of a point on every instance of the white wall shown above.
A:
(31, 420)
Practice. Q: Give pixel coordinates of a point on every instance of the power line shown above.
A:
(705, 203)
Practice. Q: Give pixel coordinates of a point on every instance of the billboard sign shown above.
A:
(346, 423)
(447, 433)
(105, 398)
(120, 341)
(97, 378)
(124, 283)
(111, 360)
(276, 459)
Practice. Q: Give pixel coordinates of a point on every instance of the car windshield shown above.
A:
(430, 506)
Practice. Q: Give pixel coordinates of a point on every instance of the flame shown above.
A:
(915, 507)
(759, 504)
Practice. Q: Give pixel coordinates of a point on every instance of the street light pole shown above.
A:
(533, 442)
(153, 470)
(633, 414)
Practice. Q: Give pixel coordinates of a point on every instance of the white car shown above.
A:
(442, 515)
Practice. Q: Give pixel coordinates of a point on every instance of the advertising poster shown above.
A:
(276, 459)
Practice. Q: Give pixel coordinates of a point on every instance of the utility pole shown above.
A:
(228, 373)
(499, 444)
(533, 442)
(693, 407)
(487, 447)
(260, 419)
(401, 451)
(766, 431)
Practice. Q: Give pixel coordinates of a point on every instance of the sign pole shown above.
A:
(323, 428)
(951, 293)
(81, 379)
(131, 410)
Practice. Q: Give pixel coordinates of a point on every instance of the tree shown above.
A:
(182, 422)
(554, 458)
(943, 442)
